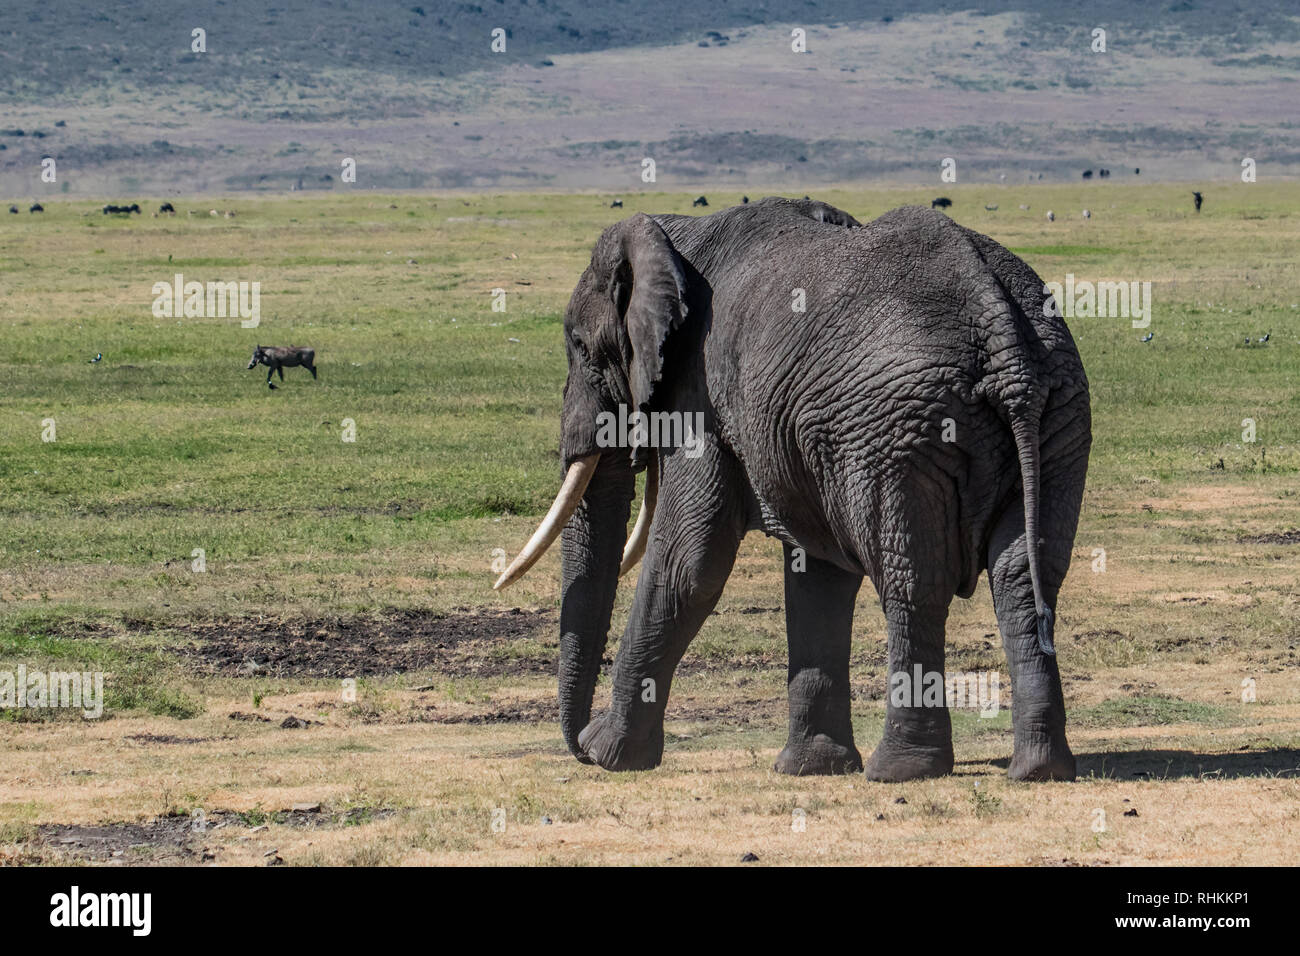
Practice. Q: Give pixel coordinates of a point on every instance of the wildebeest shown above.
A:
(167, 207)
(1137, 170)
(111, 210)
(1196, 198)
(37, 207)
(1087, 174)
(942, 202)
(700, 201)
(1103, 173)
(13, 209)
(744, 200)
(616, 204)
(993, 208)
(277, 357)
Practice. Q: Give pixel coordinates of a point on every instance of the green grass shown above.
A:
(1148, 711)
(169, 445)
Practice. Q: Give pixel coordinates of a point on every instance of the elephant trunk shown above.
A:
(592, 550)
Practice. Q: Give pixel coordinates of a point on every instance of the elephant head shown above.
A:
(618, 321)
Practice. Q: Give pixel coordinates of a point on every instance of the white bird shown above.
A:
(1087, 214)
(100, 355)
(1266, 335)
(1051, 216)
(1149, 336)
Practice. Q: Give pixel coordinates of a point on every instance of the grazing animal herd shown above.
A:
(943, 202)
(166, 209)
(939, 202)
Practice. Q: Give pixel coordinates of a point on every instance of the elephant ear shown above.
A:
(649, 288)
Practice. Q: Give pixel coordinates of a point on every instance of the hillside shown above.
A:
(585, 91)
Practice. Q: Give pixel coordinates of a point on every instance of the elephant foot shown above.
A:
(917, 744)
(615, 750)
(817, 756)
(912, 765)
(1043, 761)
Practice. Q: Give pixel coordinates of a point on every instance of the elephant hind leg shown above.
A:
(917, 581)
(1037, 702)
(917, 740)
(819, 599)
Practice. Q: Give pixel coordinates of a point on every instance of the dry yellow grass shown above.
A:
(714, 799)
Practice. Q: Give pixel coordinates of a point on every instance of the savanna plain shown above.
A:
(229, 561)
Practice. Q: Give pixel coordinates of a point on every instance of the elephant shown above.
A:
(898, 400)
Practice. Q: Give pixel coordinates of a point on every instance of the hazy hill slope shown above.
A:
(54, 46)
(585, 91)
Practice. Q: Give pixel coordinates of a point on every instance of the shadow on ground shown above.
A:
(1174, 764)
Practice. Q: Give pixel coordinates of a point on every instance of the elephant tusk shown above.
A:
(565, 504)
(635, 546)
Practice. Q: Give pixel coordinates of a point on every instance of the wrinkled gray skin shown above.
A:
(823, 429)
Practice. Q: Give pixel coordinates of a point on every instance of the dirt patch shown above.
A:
(174, 840)
(744, 712)
(1215, 498)
(164, 840)
(1279, 537)
(171, 739)
(459, 643)
(1201, 598)
(498, 713)
(696, 664)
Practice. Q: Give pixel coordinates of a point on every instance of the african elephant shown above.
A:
(890, 400)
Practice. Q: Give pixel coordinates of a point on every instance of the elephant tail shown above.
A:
(1020, 393)
(1021, 398)
(1025, 429)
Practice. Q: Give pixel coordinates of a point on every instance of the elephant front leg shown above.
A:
(819, 600)
(917, 741)
(693, 542)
